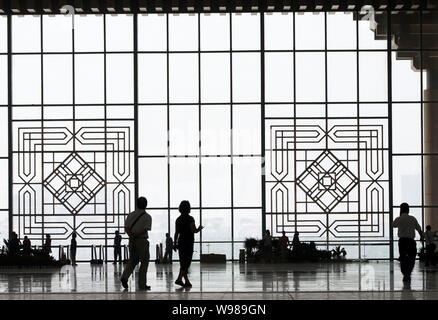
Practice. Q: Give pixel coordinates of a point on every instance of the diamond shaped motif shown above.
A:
(74, 183)
(327, 181)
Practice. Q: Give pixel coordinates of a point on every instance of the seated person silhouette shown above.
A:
(13, 244)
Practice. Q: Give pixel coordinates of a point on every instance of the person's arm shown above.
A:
(140, 233)
(128, 232)
(175, 237)
(395, 222)
(175, 242)
(147, 227)
(418, 228)
(194, 229)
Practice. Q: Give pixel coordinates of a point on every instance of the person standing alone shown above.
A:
(169, 247)
(184, 238)
(407, 246)
(429, 237)
(137, 225)
(117, 247)
(73, 247)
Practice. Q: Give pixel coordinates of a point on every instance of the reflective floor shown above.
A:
(353, 280)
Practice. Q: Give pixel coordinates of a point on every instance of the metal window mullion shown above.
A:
(262, 116)
(10, 131)
(136, 167)
(168, 121)
(235, 103)
(85, 52)
(74, 100)
(105, 134)
(199, 132)
(42, 124)
(295, 123)
(358, 135)
(326, 112)
(421, 121)
(231, 137)
(389, 67)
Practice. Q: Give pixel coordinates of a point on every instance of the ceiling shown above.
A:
(188, 6)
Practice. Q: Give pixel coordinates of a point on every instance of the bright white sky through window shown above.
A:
(213, 96)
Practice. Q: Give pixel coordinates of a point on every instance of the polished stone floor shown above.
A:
(353, 280)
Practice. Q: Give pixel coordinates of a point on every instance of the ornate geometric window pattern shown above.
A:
(327, 155)
(74, 183)
(341, 183)
(327, 181)
(109, 110)
(73, 128)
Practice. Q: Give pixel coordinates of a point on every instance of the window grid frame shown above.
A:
(262, 52)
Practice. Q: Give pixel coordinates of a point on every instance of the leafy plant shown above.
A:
(250, 245)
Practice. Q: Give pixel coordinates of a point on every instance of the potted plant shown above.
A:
(250, 245)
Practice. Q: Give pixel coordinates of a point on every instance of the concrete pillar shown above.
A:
(431, 146)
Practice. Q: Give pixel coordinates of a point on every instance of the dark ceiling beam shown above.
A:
(22, 7)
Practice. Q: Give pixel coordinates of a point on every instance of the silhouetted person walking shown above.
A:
(117, 247)
(47, 246)
(407, 247)
(169, 247)
(184, 238)
(137, 225)
(429, 236)
(73, 247)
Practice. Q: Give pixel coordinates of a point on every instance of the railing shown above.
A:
(87, 253)
(97, 253)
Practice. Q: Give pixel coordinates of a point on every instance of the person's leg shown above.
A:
(185, 269)
(117, 254)
(182, 261)
(166, 255)
(170, 255)
(432, 254)
(178, 280)
(186, 278)
(147, 259)
(142, 246)
(412, 254)
(427, 256)
(188, 262)
(133, 260)
(402, 251)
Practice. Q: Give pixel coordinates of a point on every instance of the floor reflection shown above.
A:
(268, 279)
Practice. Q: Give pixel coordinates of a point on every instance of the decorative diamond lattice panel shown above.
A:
(74, 183)
(65, 182)
(327, 181)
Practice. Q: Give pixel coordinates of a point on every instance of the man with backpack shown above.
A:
(137, 225)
